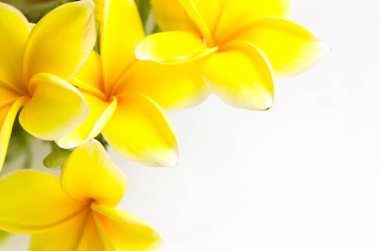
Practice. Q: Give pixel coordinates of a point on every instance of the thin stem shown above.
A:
(28, 158)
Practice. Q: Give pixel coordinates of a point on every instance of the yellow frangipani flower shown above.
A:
(35, 64)
(241, 43)
(76, 212)
(125, 96)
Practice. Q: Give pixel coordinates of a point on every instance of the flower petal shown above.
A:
(237, 13)
(128, 232)
(204, 14)
(141, 131)
(14, 30)
(100, 113)
(89, 174)
(120, 31)
(90, 77)
(7, 117)
(173, 16)
(99, 10)
(93, 240)
(208, 11)
(61, 41)
(33, 201)
(298, 50)
(7, 95)
(65, 236)
(56, 108)
(163, 47)
(241, 76)
(171, 86)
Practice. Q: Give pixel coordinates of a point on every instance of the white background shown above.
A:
(303, 176)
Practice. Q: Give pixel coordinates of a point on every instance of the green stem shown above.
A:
(28, 161)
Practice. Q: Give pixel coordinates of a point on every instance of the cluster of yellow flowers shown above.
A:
(69, 92)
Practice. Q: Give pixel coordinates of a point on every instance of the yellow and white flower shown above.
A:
(126, 96)
(35, 64)
(240, 44)
(77, 211)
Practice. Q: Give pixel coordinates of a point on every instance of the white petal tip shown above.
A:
(163, 158)
(88, 3)
(323, 49)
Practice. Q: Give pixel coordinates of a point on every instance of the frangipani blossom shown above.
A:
(241, 44)
(77, 211)
(125, 96)
(35, 64)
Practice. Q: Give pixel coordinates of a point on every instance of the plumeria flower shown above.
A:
(126, 96)
(77, 211)
(35, 64)
(241, 44)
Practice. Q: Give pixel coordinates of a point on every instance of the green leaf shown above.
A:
(19, 145)
(102, 141)
(34, 10)
(57, 157)
(146, 16)
(4, 236)
(144, 9)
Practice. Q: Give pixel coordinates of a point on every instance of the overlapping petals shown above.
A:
(173, 18)
(60, 44)
(14, 30)
(7, 117)
(297, 51)
(35, 67)
(128, 232)
(32, 201)
(136, 121)
(100, 113)
(246, 80)
(208, 29)
(179, 85)
(120, 31)
(55, 108)
(163, 48)
(242, 12)
(89, 174)
(125, 95)
(76, 212)
(63, 91)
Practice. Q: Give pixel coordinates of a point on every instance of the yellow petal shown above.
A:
(33, 201)
(93, 240)
(7, 95)
(14, 30)
(171, 86)
(173, 16)
(61, 42)
(7, 117)
(241, 76)
(99, 10)
(289, 47)
(204, 14)
(141, 131)
(77, 234)
(90, 77)
(100, 113)
(31, 25)
(120, 31)
(63, 237)
(56, 108)
(238, 13)
(172, 47)
(128, 232)
(89, 174)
